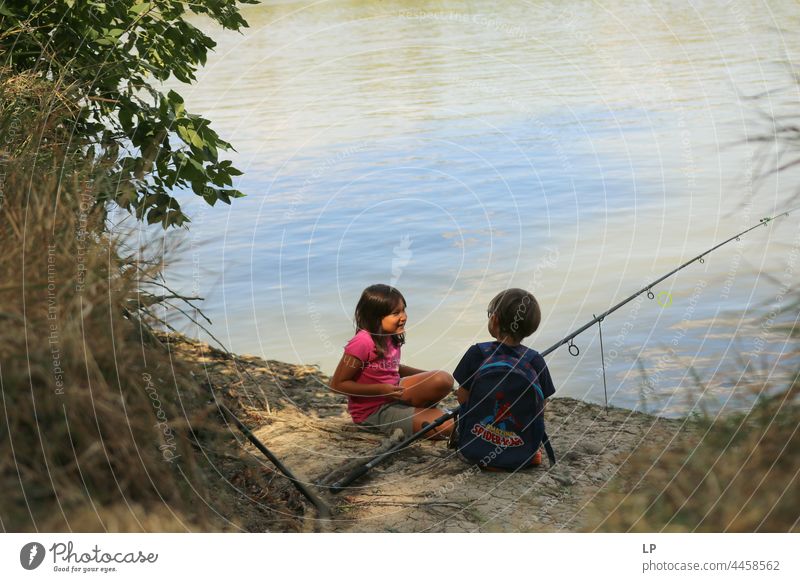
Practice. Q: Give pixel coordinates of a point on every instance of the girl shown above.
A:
(382, 392)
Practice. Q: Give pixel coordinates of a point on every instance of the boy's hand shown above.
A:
(394, 392)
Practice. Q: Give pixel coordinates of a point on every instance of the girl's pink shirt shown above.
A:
(385, 370)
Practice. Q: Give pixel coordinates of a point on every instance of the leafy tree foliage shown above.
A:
(116, 52)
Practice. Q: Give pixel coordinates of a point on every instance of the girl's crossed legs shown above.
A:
(423, 391)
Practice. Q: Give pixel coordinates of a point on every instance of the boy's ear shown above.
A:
(493, 322)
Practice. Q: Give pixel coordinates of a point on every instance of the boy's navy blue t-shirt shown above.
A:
(472, 360)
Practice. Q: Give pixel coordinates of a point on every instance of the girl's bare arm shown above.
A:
(343, 382)
(409, 371)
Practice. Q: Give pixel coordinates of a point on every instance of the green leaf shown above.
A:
(154, 215)
(142, 132)
(190, 136)
(140, 7)
(126, 118)
(174, 97)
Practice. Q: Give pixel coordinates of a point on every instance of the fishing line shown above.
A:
(649, 287)
(603, 360)
(574, 350)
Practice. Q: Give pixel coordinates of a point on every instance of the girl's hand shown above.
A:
(394, 392)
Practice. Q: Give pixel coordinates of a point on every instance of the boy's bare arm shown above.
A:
(462, 394)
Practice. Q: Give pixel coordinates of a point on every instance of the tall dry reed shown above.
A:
(99, 429)
(735, 473)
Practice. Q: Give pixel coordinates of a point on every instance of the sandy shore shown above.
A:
(425, 487)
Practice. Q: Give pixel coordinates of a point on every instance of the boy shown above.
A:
(514, 314)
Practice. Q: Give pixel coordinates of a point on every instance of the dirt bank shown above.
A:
(425, 487)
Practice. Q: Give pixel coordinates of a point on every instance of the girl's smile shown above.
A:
(395, 322)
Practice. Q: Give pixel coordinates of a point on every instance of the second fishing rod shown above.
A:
(597, 319)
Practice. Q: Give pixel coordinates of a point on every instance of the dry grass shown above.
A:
(101, 430)
(81, 393)
(742, 474)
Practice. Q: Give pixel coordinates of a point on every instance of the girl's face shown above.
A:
(395, 322)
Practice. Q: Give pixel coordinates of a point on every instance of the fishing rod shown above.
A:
(573, 350)
(649, 288)
(323, 511)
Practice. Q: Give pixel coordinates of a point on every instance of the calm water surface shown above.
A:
(458, 148)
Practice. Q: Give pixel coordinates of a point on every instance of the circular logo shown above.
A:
(664, 299)
(31, 555)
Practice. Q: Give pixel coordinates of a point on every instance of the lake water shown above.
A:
(454, 149)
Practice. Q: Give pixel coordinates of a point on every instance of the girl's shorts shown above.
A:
(391, 416)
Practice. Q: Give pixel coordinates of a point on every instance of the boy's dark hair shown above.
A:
(518, 313)
(376, 302)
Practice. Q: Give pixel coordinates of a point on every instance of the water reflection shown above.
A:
(456, 148)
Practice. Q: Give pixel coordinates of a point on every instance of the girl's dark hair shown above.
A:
(518, 313)
(378, 301)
